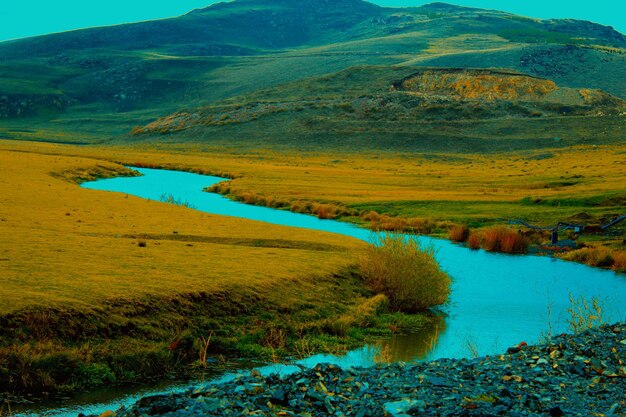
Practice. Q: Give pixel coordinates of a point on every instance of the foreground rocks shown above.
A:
(573, 375)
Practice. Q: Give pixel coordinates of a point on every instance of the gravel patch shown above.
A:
(572, 375)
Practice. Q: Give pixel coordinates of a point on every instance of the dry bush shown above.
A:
(392, 224)
(601, 256)
(275, 338)
(473, 241)
(584, 313)
(491, 239)
(300, 206)
(249, 198)
(513, 242)
(371, 216)
(619, 261)
(408, 274)
(500, 239)
(459, 233)
(324, 211)
(419, 225)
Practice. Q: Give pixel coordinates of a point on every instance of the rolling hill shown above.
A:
(95, 85)
(403, 108)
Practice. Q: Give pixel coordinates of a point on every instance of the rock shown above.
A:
(439, 382)
(556, 412)
(399, 408)
(279, 397)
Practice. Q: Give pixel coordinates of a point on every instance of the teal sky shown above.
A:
(22, 18)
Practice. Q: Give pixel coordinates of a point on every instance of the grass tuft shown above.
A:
(597, 256)
(473, 241)
(459, 233)
(584, 313)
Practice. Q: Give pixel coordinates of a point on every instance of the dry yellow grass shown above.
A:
(64, 245)
(361, 177)
(469, 189)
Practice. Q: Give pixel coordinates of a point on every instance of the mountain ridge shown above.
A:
(100, 82)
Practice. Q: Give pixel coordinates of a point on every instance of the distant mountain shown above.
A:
(98, 83)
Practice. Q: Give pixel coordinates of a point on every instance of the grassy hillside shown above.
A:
(403, 108)
(97, 84)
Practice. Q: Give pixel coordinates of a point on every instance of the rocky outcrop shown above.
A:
(477, 84)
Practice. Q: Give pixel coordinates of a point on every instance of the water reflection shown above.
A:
(413, 346)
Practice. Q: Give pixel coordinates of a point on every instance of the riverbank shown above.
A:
(101, 288)
(571, 375)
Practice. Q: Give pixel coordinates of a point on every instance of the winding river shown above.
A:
(497, 300)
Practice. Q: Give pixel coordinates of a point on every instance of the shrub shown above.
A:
(500, 239)
(584, 313)
(513, 242)
(459, 233)
(601, 256)
(419, 225)
(408, 274)
(391, 224)
(324, 211)
(95, 374)
(473, 241)
(619, 261)
(491, 239)
(371, 216)
(301, 206)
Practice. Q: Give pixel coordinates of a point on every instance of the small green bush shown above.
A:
(95, 375)
(407, 273)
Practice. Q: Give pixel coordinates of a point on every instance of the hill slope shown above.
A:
(98, 83)
(403, 108)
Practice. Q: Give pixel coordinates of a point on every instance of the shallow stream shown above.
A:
(497, 300)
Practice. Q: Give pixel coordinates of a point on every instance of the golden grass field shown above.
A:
(483, 186)
(61, 244)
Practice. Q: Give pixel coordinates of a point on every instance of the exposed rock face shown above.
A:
(477, 84)
(485, 85)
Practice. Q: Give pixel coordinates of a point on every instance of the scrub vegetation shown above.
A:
(407, 273)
